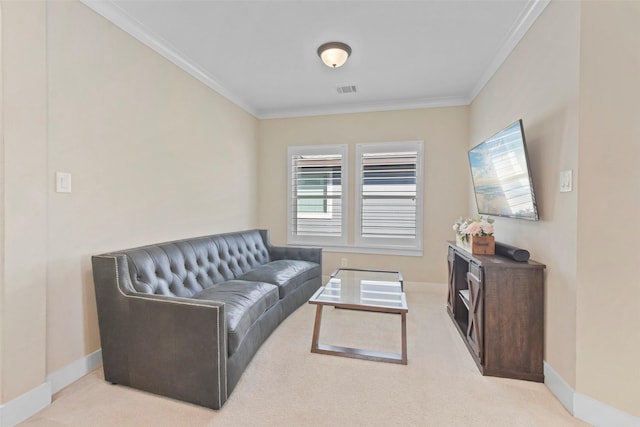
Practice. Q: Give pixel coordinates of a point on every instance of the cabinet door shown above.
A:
(475, 328)
(452, 284)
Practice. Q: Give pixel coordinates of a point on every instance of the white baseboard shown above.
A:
(600, 414)
(558, 387)
(74, 371)
(35, 400)
(587, 409)
(22, 407)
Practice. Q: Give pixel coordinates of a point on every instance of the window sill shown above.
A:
(366, 250)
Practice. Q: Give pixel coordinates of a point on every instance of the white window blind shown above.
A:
(316, 206)
(389, 195)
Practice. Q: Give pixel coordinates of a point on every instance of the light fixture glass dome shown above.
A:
(334, 54)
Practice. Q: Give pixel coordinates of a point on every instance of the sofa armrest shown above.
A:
(176, 347)
(291, 252)
(295, 252)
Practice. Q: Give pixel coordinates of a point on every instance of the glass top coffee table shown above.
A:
(364, 290)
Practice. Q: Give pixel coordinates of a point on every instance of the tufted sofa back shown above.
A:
(185, 267)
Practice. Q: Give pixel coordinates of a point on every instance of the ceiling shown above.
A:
(262, 54)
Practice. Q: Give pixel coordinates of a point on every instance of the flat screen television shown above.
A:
(501, 176)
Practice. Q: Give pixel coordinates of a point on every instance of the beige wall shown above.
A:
(539, 83)
(608, 340)
(573, 79)
(154, 154)
(23, 201)
(444, 132)
(2, 204)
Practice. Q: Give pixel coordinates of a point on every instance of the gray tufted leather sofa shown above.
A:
(183, 319)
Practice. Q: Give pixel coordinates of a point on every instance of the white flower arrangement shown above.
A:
(473, 226)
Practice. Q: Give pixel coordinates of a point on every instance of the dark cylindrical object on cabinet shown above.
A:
(512, 252)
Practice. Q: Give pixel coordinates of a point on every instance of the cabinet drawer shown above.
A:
(475, 270)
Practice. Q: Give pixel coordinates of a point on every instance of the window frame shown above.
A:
(333, 149)
(408, 244)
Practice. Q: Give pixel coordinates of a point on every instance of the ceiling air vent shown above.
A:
(347, 89)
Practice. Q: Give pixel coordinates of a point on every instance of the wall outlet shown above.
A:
(344, 262)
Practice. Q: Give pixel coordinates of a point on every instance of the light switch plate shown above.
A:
(63, 182)
(566, 181)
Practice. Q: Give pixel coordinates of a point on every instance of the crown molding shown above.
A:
(517, 32)
(110, 11)
(405, 104)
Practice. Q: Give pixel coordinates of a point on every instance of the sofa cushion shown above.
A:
(244, 303)
(286, 274)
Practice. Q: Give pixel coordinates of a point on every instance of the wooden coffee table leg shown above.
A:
(404, 338)
(316, 328)
(358, 353)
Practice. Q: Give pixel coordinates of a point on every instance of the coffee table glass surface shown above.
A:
(363, 288)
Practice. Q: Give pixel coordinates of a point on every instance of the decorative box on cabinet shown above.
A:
(497, 305)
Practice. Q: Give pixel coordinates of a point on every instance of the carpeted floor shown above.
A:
(286, 385)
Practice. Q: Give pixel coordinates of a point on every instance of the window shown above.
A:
(316, 195)
(389, 195)
(387, 217)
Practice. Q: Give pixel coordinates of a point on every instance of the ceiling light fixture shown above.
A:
(334, 54)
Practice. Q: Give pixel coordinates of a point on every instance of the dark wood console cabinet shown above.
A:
(497, 305)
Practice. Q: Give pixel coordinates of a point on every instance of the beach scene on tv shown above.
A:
(501, 177)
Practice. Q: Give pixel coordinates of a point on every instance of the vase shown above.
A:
(477, 245)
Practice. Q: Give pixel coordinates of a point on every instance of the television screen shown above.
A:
(501, 177)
